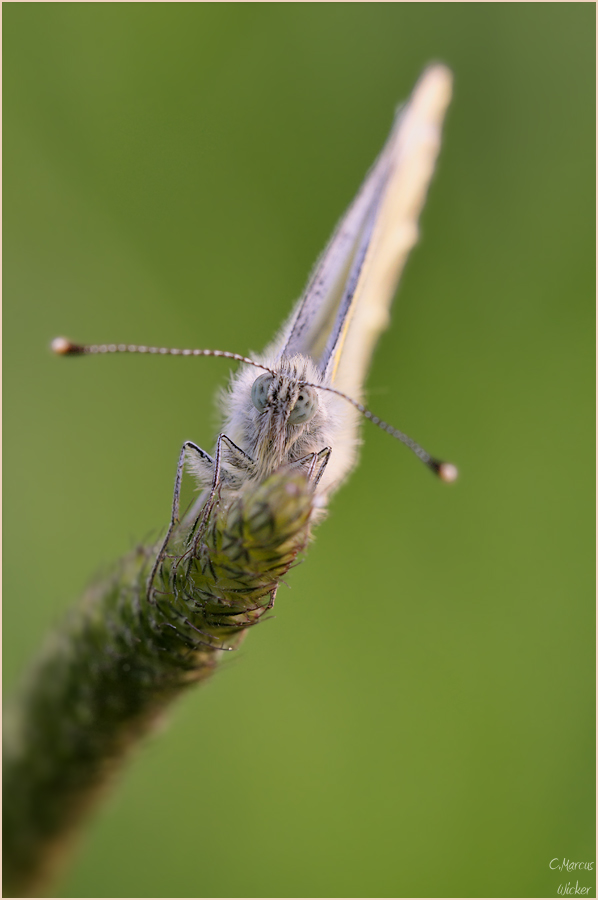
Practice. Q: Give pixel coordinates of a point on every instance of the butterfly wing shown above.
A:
(318, 312)
(346, 304)
(412, 150)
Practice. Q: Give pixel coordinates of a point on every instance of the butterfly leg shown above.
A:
(324, 457)
(237, 458)
(175, 514)
(321, 457)
(204, 466)
(202, 520)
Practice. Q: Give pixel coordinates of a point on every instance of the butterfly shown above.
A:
(300, 412)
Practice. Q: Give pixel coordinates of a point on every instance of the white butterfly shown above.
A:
(329, 339)
(295, 412)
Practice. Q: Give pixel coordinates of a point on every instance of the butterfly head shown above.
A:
(286, 400)
(275, 416)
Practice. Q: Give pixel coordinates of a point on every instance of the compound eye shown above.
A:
(259, 391)
(305, 407)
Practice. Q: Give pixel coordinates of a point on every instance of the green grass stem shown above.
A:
(117, 661)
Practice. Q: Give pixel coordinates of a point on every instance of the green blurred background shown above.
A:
(418, 719)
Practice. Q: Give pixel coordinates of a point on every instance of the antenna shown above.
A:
(447, 472)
